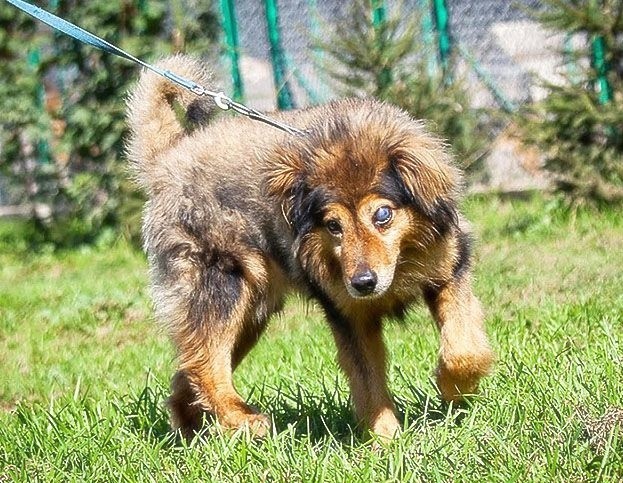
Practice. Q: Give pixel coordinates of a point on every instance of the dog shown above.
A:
(359, 213)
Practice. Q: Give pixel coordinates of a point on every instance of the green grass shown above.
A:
(84, 370)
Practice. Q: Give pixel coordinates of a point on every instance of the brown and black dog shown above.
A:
(359, 213)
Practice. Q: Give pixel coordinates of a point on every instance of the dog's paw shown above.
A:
(256, 425)
(386, 426)
(459, 374)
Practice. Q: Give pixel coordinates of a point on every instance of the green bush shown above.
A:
(579, 126)
(385, 59)
(62, 119)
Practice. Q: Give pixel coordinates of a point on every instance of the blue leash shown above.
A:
(220, 99)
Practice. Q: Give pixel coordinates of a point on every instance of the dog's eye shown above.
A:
(334, 227)
(383, 216)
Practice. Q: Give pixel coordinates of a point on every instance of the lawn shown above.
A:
(84, 370)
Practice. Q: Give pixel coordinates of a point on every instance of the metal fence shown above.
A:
(502, 52)
(270, 62)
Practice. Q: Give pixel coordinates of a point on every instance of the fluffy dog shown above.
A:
(359, 213)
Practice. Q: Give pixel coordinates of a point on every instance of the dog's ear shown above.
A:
(285, 172)
(286, 182)
(302, 205)
(430, 181)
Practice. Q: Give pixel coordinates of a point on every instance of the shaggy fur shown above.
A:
(359, 213)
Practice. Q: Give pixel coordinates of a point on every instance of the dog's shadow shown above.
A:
(327, 412)
(307, 414)
(146, 414)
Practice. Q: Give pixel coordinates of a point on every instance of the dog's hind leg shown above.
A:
(215, 308)
(186, 414)
(465, 355)
(208, 372)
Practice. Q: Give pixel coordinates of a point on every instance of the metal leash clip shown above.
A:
(222, 101)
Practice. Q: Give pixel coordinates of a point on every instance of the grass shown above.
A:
(84, 370)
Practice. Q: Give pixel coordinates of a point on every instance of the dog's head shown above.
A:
(363, 185)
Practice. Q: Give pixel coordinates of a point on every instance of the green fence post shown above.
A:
(312, 94)
(444, 44)
(378, 19)
(284, 95)
(600, 65)
(230, 27)
(428, 37)
(378, 12)
(42, 147)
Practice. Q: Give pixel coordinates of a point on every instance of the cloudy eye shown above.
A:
(334, 227)
(383, 216)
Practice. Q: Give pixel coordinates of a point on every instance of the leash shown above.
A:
(220, 99)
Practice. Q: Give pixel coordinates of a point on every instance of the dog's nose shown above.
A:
(364, 282)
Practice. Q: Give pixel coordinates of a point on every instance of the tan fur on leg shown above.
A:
(465, 355)
(361, 354)
(212, 336)
(208, 367)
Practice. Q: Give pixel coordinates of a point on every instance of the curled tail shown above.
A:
(155, 124)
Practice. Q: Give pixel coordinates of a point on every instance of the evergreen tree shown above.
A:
(385, 59)
(579, 125)
(62, 113)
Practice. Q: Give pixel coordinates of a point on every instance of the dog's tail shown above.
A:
(159, 112)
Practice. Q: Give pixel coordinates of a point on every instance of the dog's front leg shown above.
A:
(465, 355)
(361, 354)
